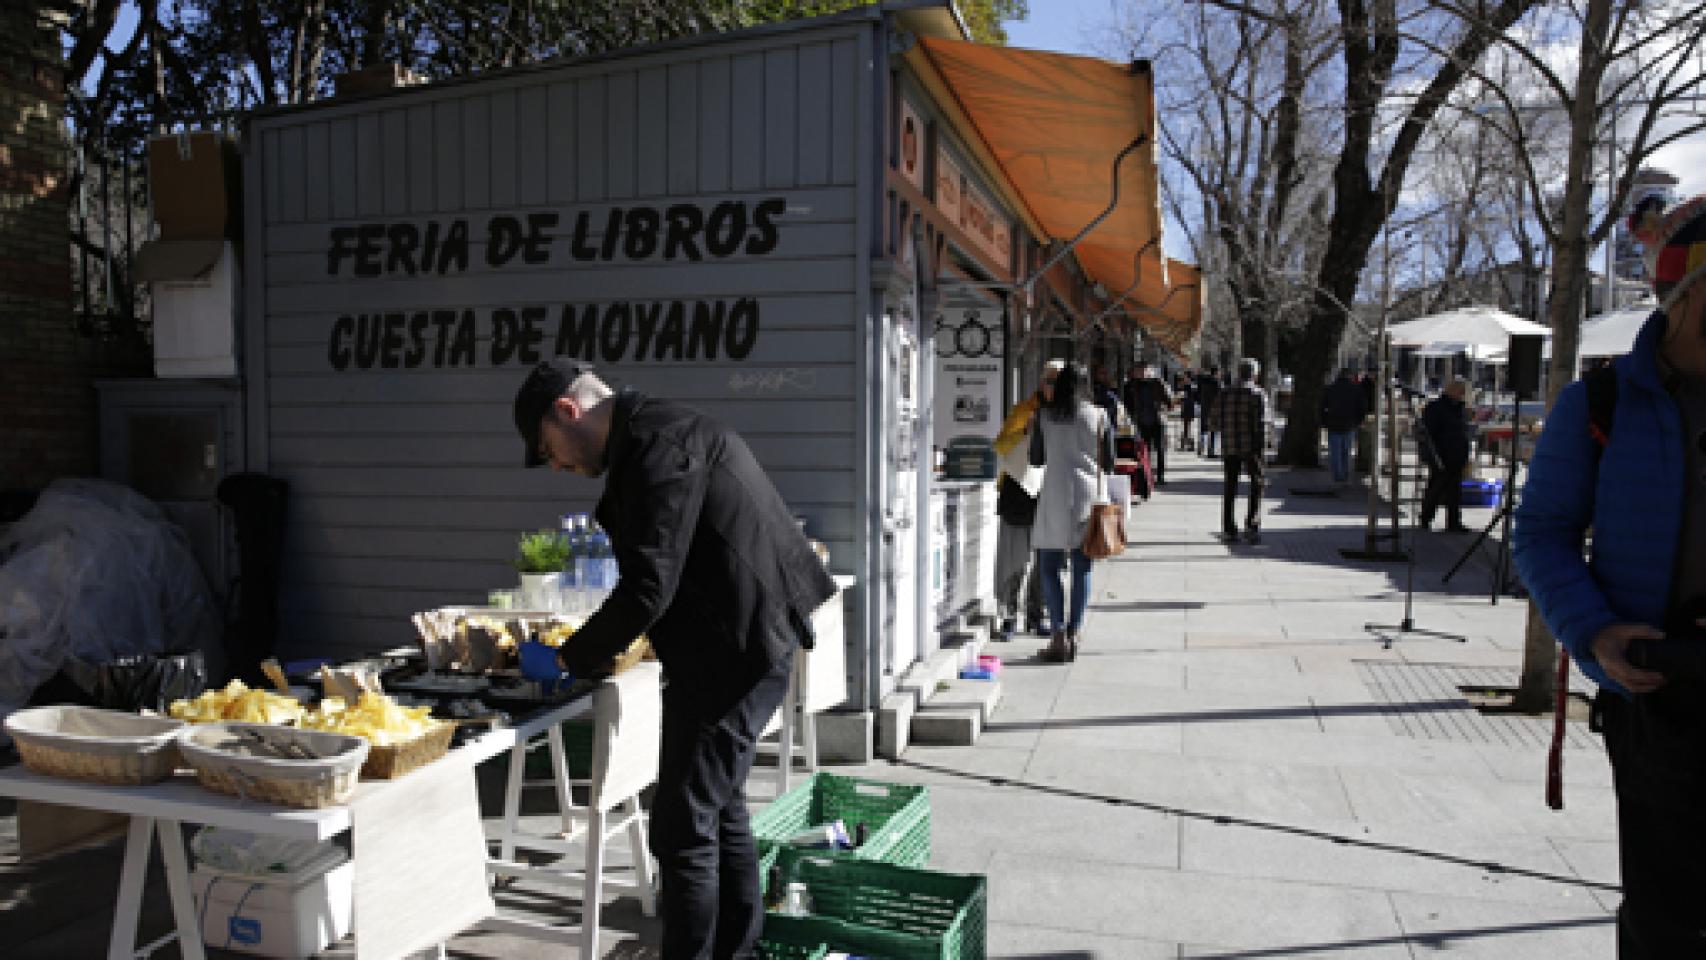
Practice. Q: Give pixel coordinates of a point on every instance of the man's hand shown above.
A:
(1609, 648)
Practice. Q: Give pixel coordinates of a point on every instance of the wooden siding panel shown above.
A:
(846, 78)
(532, 151)
(343, 161)
(476, 148)
(683, 142)
(747, 122)
(447, 159)
(814, 114)
(504, 149)
(781, 116)
(715, 117)
(589, 141)
(620, 132)
(422, 151)
(394, 161)
(651, 120)
(561, 148)
(370, 165)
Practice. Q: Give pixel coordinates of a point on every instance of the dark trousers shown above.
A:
(1444, 489)
(1234, 465)
(1155, 437)
(701, 833)
(1657, 745)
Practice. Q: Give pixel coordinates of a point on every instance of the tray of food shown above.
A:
(102, 746)
(478, 639)
(400, 738)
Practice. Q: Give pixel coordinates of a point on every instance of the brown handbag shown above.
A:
(1105, 536)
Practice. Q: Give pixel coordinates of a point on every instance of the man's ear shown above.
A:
(568, 407)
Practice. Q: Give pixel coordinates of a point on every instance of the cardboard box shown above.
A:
(194, 181)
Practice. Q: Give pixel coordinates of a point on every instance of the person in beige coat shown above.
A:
(1073, 443)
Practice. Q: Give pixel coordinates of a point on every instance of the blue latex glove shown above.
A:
(539, 662)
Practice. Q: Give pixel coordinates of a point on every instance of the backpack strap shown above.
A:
(1602, 412)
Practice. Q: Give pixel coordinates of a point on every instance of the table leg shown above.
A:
(785, 747)
(178, 884)
(512, 801)
(560, 778)
(122, 943)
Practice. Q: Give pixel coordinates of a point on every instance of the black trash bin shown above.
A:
(257, 503)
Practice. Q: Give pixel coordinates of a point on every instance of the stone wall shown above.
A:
(48, 422)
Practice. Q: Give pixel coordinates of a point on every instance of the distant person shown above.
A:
(1016, 505)
(1624, 453)
(1447, 425)
(1104, 394)
(1342, 412)
(1187, 397)
(1240, 416)
(1208, 391)
(1074, 444)
(1147, 401)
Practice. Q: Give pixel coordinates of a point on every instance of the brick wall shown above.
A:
(48, 422)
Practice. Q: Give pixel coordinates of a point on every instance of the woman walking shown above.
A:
(1073, 442)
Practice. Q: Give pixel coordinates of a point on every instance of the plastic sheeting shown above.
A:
(93, 573)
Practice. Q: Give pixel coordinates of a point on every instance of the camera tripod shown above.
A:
(1501, 518)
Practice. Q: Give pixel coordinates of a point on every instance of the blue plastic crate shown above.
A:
(1482, 493)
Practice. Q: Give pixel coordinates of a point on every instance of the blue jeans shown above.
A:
(1339, 453)
(1050, 564)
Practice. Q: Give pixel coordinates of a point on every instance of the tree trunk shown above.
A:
(1537, 685)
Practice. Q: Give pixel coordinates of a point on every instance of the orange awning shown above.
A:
(1054, 123)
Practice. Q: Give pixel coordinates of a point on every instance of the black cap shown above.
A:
(544, 384)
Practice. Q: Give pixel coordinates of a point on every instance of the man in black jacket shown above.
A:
(713, 569)
(1447, 428)
(1342, 411)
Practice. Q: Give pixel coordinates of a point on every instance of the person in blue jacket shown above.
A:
(1641, 487)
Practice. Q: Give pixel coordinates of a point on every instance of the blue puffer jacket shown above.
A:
(1634, 504)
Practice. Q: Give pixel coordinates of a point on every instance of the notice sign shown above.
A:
(969, 350)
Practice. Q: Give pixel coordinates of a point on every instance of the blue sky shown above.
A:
(1059, 25)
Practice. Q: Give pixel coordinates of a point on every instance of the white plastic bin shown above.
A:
(290, 915)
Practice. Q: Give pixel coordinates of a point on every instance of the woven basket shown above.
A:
(101, 746)
(391, 762)
(213, 751)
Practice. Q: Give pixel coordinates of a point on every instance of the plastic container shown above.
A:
(1482, 493)
(896, 817)
(281, 915)
(990, 662)
(881, 910)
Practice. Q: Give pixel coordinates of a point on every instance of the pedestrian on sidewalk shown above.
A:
(712, 568)
(1624, 453)
(1187, 396)
(1147, 401)
(1342, 412)
(1240, 415)
(1074, 443)
(1446, 422)
(1208, 391)
(1016, 505)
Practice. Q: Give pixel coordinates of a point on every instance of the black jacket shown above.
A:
(1448, 431)
(712, 567)
(1342, 406)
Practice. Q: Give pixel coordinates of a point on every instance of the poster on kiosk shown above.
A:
(968, 390)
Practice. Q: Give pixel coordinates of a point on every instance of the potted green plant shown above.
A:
(540, 557)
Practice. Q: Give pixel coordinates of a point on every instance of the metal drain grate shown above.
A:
(1423, 700)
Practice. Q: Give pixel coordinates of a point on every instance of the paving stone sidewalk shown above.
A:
(1233, 768)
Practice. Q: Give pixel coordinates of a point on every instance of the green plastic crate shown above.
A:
(881, 910)
(788, 951)
(896, 817)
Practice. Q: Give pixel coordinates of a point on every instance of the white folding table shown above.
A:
(159, 811)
